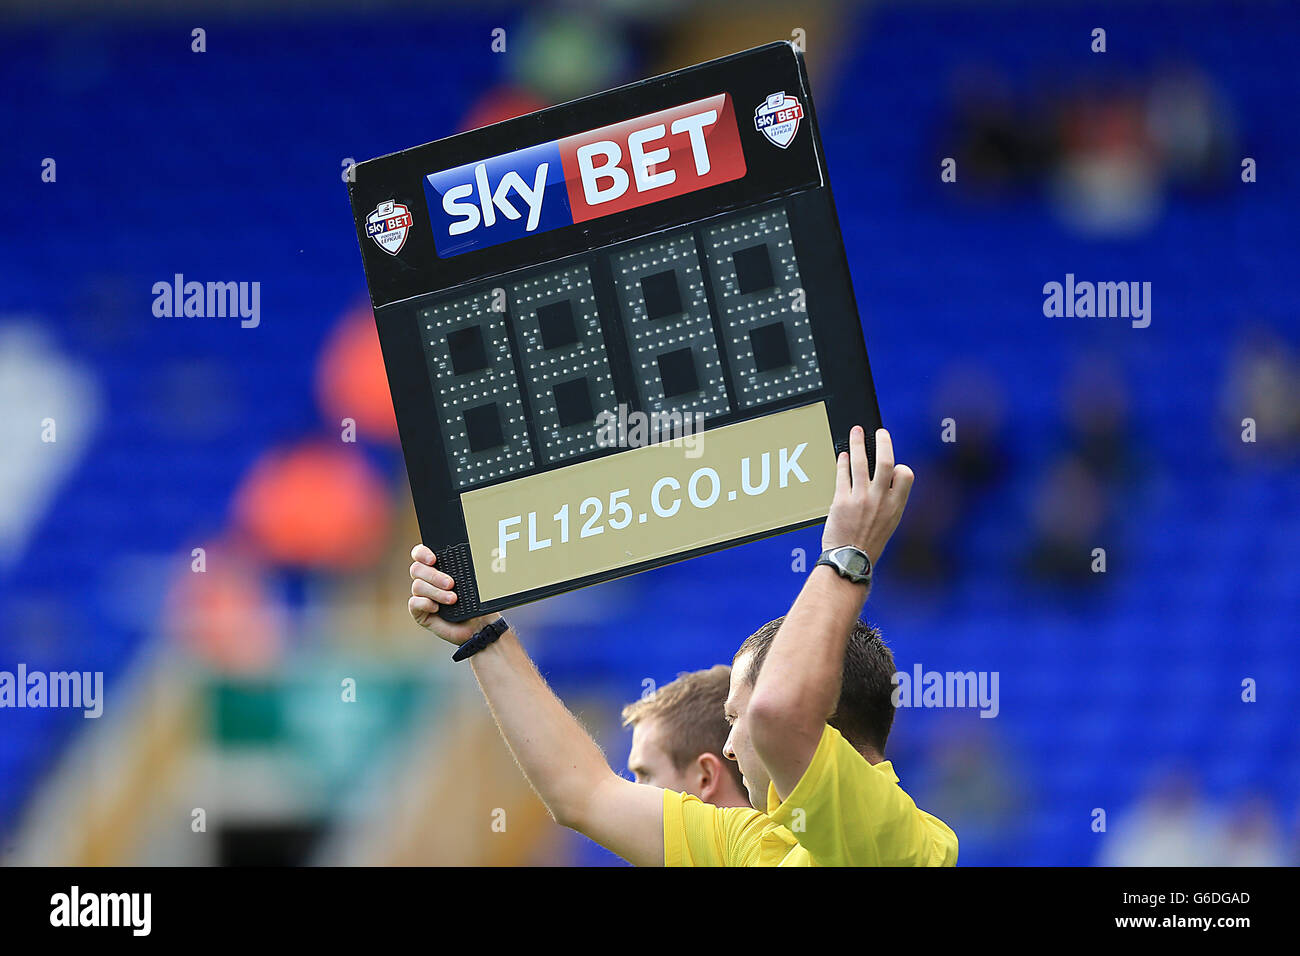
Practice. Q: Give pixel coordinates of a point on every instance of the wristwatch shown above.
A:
(850, 562)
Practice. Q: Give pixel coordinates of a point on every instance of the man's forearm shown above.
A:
(807, 655)
(563, 763)
(799, 685)
(555, 752)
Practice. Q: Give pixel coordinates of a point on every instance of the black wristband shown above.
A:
(481, 640)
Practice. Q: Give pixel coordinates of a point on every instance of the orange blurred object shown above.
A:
(315, 506)
(350, 379)
(219, 608)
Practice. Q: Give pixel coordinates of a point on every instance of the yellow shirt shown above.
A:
(843, 812)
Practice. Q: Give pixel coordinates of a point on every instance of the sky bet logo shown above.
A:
(598, 173)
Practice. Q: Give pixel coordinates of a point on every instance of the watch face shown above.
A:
(855, 562)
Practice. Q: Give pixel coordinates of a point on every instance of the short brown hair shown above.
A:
(693, 711)
(864, 713)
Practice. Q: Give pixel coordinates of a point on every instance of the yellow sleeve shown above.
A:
(699, 834)
(846, 812)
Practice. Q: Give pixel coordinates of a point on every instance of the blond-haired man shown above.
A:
(679, 737)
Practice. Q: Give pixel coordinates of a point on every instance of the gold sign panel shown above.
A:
(650, 502)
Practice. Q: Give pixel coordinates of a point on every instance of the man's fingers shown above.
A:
(421, 605)
(424, 589)
(903, 478)
(884, 459)
(422, 572)
(858, 457)
(430, 588)
(842, 484)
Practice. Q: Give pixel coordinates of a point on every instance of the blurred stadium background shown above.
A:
(1120, 691)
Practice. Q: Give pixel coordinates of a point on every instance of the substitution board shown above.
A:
(618, 332)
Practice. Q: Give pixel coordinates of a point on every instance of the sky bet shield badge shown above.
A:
(618, 332)
(388, 226)
(778, 119)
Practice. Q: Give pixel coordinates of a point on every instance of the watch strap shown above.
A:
(481, 640)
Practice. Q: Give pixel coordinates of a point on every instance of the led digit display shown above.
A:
(480, 411)
(568, 375)
(756, 284)
(665, 311)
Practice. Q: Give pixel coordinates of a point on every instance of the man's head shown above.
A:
(864, 713)
(678, 733)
